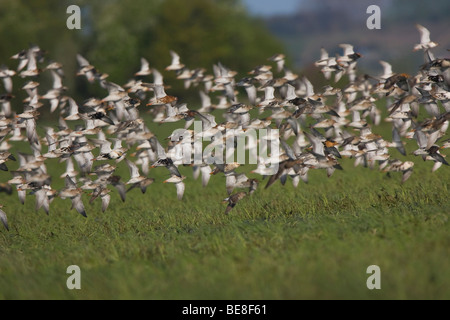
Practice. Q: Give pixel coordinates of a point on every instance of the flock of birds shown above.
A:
(315, 128)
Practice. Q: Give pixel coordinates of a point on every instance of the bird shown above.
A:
(233, 200)
(86, 69)
(425, 41)
(168, 163)
(161, 97)
(349, 55)
(395, 165)
(72, 192)
(136, 180)
(145, 68)
(175, 65)
(116, 153)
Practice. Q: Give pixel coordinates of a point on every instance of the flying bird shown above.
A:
(425, 41)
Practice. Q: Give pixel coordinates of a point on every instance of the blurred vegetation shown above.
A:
(407, 10)
(116, 34)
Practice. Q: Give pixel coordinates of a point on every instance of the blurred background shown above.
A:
(241, 34)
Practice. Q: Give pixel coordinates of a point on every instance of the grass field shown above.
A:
(313, 242)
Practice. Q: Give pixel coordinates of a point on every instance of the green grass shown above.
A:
(313, 242)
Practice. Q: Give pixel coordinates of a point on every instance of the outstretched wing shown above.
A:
(105, 202)
(424, 34)
(78, 205)
(180, 190)
(4, 219)
(134, 171)
(70, 183)
(317, 145)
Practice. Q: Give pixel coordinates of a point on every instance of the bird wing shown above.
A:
(31, 61)
(78, 205)
(241, 178)
(105, 147)
(230, 182)
(134, 171)
(4, 219)
(230, 206)
(421, 139)
(387, 69)
(205, 98)
(308, 86)
(274, 177)
(145, 66)
(208, 120)
(22, 194)
(7, 82)
(323, 54)
(317, 145)
(206, 175)
(105, 202)
(196, 172)
(41, 198)
(348, 48)
(290, 92)
(432, 138)
(424, 34)
(180, 189)
(57, 80)
(398, 142)
(70, 183)
(406, 175)
(429, 56)
(157, 148)
(440, 158)
(158, 79)
(122, 190)
(82, 61)
(269, 93)
(288, 150)
(174, 170)
(69, 165)
(175, 58)
(31, 131)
